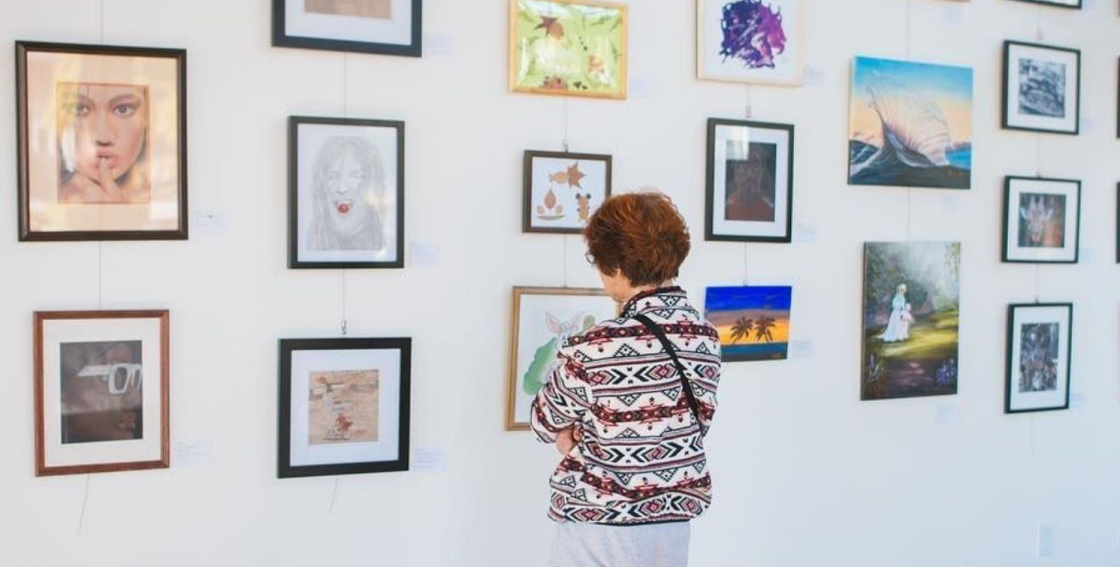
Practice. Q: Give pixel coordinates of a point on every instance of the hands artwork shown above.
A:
(567, 439)
(104, 189)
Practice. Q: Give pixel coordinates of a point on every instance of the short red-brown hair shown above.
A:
(641, 234)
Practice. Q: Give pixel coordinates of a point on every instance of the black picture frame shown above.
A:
(294, 122)
(1117, 226)
(414, 48)
(1010, 373)
(1005, 117)
(26, 232)
(710, 180)
(1006, 243)
(1054, 4)
(287, 347)
(527, 186)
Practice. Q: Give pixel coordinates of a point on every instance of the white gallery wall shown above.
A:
(805, 474)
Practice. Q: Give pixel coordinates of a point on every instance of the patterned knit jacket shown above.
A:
(641, 459)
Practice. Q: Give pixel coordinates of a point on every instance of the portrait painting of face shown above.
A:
(1041, 220)
(346, 183)
(749, 181)
(114, 163)
(388, 27)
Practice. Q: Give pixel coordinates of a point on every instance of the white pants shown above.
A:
(597, 545)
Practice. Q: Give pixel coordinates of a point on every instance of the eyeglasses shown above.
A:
(119, 378)
(589, 257)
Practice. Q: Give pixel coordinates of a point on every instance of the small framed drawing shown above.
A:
(568, 47)
(388, 27)
(750, 41)
(1038, 356)
(1072, 4)
(543, 319)
(562, 190)
(344, 406)
(345, 193)
(1041, 220)
(102, 142)
(101, 391)
(1041, 88)
(749, 181)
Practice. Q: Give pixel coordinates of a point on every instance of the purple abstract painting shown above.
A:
(752, 33)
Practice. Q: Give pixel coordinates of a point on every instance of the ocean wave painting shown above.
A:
(910, 125)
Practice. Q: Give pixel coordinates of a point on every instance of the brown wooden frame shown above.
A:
(164, 462)
(515, 317)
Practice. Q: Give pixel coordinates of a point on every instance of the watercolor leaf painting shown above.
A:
(568, 48)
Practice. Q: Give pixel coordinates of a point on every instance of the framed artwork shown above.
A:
(1041, 88)
(562, 190)
(749, 196)
(753, 321)
(1039, 351)
(1118, 223)
(101, 391)
(910, 125)
(750, 41)
(911, 319)
(568, 47)
(388, 27)
(344, 406)
(1073, 4)
(543, 318)
(1041, 220)
(102, 142)
(345, 193)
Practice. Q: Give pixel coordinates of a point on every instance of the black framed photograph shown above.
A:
(345, 193)
(387, 27)
(749, 195)
(1072, 4)
(562, 190)
(102, 391)
(344, 406)
(1117, 223)
(1039, 351)
(1041, 88)
(1041, 220)
(102, 142)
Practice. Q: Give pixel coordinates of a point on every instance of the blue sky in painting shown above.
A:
(944, 80)
(744, 298)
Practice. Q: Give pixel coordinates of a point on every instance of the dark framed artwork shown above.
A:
(1039, 354)
(1118, 223)
(344, 406)
(101, 391)
(1041, 88)
(345, 193)
(102, 142)
(387, 27)
(561, 190)
(1041, 220)
(749, 188)
(1072, 4)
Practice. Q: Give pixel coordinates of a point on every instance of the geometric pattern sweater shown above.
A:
(641, 459)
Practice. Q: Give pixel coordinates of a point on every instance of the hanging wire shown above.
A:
(1037, 286)
(334, 492)
(909, 214)
(909, 29)
(343, 293)
(100, 274)
(565, 253)
(746, 271)
(749, 111)
(565, 141)
(85, 501)
(345, 86)
(102, 22)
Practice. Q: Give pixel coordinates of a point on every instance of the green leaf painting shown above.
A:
(569, 48)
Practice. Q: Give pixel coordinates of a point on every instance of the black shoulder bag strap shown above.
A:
(672, 351)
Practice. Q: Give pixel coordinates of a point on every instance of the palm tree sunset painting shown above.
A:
(753, 321)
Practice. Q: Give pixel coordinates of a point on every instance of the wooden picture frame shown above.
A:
(1048, 378)
(1043, 119)
(72, 434)
(595, 187)
(345, 369)
(1029, 205)
(72, 190)
(347, 41)
(773, 221)
(366, 227)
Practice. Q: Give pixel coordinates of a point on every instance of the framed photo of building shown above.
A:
(388, 27)
(101, 142)
(101, 391)
(1041, 220)
(344, 406)
(1041, 88)
(749, 195)
(345, 193)
(562, 190)
(1039, 352)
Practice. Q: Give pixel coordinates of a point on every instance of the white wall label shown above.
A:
(951, 203)
(814, 76)
(944, 415)
(641, 88)
(801, 348)
(423, 254)
(435, 44)
(1076, 400)
(428, 459)
(193, 452)
(953, 14)
(209, 221)
(805, 232)
(1086, 125)
(1045, 540)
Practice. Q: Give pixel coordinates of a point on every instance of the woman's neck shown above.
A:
(633, 292)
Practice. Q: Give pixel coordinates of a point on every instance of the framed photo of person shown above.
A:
(568, 48)
(1039, 352)
(1041, 220)
(749, 195)
(562, 190)
(751, 41)
(1041, 88)
(101, 391)
(388, 27)
(543, 318)
(344, 406)
(345, 193)
(102, 142)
